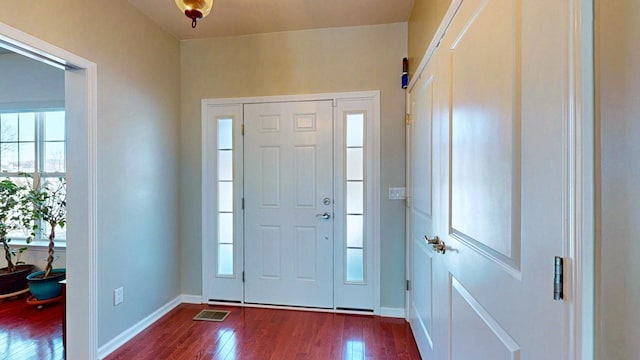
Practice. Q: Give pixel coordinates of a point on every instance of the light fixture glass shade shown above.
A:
(195, 9)
(204, 6)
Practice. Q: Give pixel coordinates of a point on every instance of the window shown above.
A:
(33, 142)
(225, 197)
(354, 190)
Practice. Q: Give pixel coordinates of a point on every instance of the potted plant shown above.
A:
(13, 276)
(47, 202)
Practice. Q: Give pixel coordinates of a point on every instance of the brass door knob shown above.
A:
(440, 248)
(434, 241)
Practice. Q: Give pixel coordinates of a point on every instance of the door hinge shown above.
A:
(243, 276)
(408, 285)
(242, 129)
(242, 203)
(407, 119)
(558, 278)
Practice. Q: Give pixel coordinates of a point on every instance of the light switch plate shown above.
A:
(397, 193)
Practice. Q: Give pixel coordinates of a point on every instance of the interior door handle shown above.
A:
(434, 241)
(438, 246)
(325, 216)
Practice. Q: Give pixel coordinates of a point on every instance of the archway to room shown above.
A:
(79, 105)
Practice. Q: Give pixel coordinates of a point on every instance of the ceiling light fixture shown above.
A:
(195, 9)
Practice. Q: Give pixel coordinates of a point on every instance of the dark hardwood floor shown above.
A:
(250, 333)
(27, 333)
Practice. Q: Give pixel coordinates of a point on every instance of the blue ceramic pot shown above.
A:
(49, 288)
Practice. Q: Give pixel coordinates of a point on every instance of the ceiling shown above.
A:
(241, 17)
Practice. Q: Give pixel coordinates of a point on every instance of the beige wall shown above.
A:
(138, 111)
(618, 78)
(423, 23)
(298, 62)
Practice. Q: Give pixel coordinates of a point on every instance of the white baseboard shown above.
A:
(115, 343)
(190, 299)
(128, 334)
(392, 312)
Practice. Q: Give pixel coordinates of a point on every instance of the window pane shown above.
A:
(54, 157)
(9, 157)
(225, 196)
(27, 156)
(355, 265)
(355, 164)
(225, 228)
(225, 134)
(27, 123)
(54, 126)
(355, 198)
(225, 165)
(355, 233)
(225, 259)
(355, 130)
(61, 233)
(9, 127)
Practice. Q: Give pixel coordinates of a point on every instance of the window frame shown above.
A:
(41, 239)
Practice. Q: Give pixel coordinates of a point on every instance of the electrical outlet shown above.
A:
(118, 296)
(399, 193)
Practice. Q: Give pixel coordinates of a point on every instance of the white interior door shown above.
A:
(500, 191)
(427, 289)
(504, 180)
(288, 174)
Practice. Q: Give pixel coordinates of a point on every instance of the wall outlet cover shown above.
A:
(118, 296)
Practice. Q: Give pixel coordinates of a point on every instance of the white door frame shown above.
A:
(81, 109)
(579, 179)
(373, 207)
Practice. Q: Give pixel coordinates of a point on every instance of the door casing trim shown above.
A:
(373, 206)
(81, 102)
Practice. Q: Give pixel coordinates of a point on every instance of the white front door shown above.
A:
(288, 195)
(500, 200)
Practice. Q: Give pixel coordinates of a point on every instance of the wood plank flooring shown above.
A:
(27, 333)
(250, 333)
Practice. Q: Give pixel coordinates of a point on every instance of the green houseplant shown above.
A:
(12, 217)
(46, 202)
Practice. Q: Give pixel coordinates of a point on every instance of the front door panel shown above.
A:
(288, 226)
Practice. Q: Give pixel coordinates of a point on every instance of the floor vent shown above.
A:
(212, 315)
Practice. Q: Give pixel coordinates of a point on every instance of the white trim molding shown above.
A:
(580, 245)
(115, 343)
(81, 101)
(191, 299)
(398, 313)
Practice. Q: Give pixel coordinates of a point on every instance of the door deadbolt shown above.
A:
(326, 201)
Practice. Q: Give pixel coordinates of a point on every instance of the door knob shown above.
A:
(440, 248)
(325, 216)
(434, 241)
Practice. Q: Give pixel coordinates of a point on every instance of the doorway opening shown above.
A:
(80, 104)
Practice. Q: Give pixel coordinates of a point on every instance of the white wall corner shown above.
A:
(190, 299)
(392, 312)
(115, 343)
